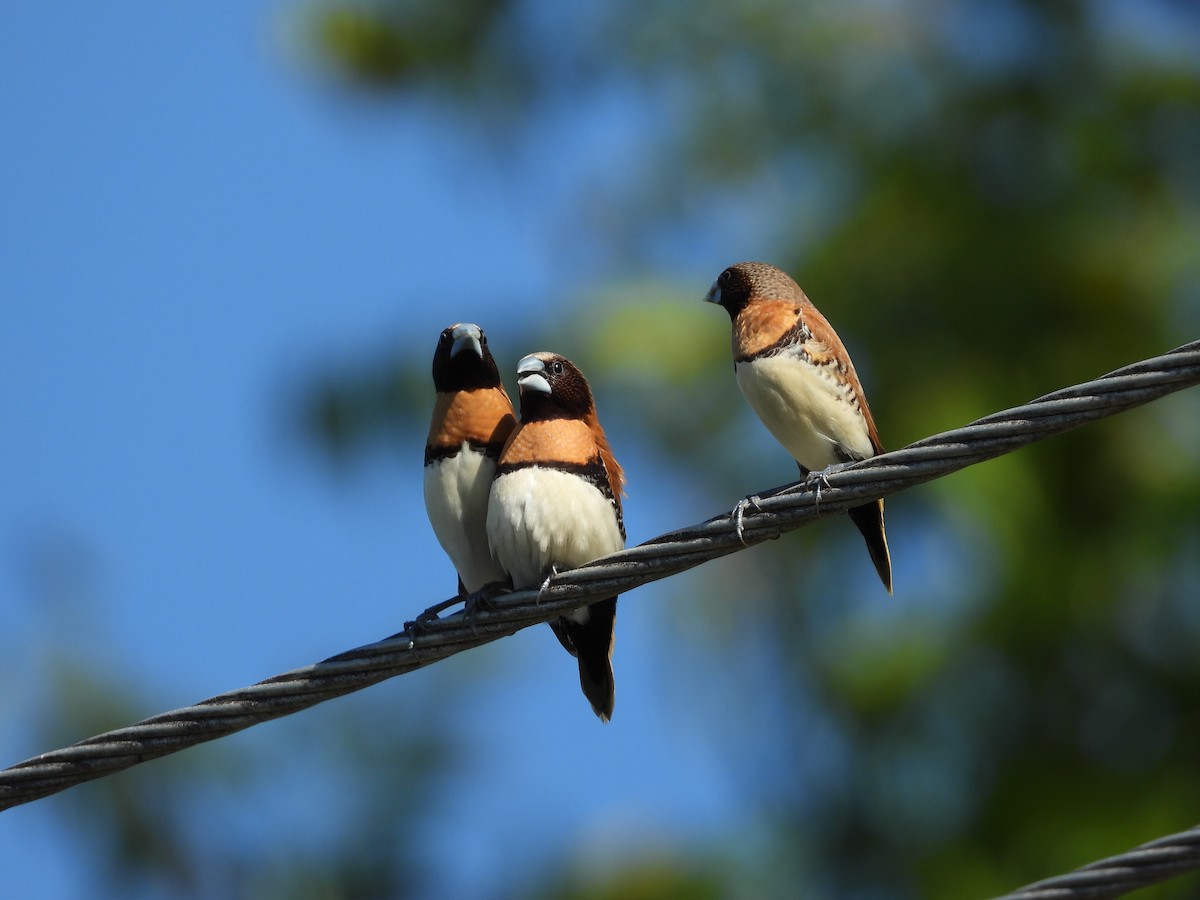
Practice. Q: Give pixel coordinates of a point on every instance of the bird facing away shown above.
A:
(556, 504)
(796, 375)
(472, 417)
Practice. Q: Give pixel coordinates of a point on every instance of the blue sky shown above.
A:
(192, 221)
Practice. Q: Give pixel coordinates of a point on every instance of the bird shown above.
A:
(797, 376)
(472, 418)
(555, 504)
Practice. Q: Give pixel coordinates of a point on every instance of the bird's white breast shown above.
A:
(809, 409)
(456, 498)
(540, 517)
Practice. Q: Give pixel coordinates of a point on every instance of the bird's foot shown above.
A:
(433, 613)
(814, 481)
(420, 625)
(484, 599)
(417, 627)
(545, 584)
(739, 513)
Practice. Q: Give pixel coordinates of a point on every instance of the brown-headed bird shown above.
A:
(797, 376)
(472, 418)
(556, 504)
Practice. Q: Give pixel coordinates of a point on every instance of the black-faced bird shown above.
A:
(472, 418)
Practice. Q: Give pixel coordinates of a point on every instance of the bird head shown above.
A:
(462, 360)
(552, 387)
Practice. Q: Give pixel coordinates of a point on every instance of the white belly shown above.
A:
(807, 410)
(538, 518)
(456, 498)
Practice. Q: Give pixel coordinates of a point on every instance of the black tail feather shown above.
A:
(591, 643)
(869, 520)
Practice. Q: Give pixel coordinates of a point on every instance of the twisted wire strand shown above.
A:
(1140, 867)
(767, 516)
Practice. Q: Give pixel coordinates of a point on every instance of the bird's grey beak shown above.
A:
(714, 294)
(466, 335)
(531, 375)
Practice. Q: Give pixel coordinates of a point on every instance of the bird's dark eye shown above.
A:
(724, 277)
(556, 367)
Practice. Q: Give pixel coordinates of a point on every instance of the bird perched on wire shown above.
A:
(472, 418)
(556, 504)
(796, 375)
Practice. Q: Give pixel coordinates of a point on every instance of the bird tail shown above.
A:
(591, 642)
(869, 520)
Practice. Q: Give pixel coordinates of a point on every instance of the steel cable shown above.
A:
(1140, 867)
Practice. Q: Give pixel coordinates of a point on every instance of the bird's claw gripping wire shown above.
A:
(815, 480)
(739, 512)
(812, 481)
(545, 584)
(433, 613)
(420, 625)
(483, 600)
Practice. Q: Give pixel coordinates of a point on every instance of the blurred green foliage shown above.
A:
(379, 44)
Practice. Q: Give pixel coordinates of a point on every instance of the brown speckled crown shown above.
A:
(755, 280)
